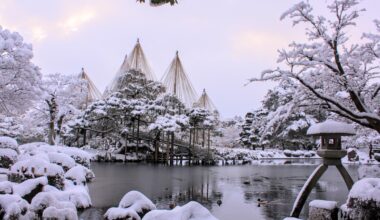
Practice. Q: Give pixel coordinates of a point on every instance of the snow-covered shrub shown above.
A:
(36, 167)
(190, 211)
(8, 151)
(61, 159)
(138, 201)
(12, 206)
(80, 175)
(60, 214)
(7, 142)
(288, 153)
(80, 156)
(117, 213)
(352, 154)
(133, 205)
(7, 157)
(363, 200)
(29, 188)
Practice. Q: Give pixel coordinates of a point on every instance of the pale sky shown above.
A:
(222, 43)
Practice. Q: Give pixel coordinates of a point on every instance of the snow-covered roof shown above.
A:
(331, 127)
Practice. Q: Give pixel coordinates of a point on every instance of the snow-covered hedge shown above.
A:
(8, 151)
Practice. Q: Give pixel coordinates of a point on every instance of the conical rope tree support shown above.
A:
(331, 151)
(136, 60)
(178, 83)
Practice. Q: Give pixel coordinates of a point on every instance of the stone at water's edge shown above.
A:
(323, 210)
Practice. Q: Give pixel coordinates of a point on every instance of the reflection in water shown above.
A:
(229, 192)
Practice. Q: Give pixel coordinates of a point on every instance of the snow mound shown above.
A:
(323, 204)
(7, 142)
(331, 127)
(80, 175)
(121, 213)
(190, 211)
(366, 189)
(12, 206)
(60, 214)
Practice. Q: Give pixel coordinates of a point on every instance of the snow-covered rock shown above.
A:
(331, 127)
(190, 211)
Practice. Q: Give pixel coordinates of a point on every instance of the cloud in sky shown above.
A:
(221, 43)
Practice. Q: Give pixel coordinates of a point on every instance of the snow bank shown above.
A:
(323, 204)
(331, 127)
(190, 211)
(250, 155)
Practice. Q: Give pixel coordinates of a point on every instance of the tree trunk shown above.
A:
(138, 135)
(172, 150)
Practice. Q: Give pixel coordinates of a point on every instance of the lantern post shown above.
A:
(330, 133)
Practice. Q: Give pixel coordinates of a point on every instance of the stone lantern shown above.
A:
(330, 133)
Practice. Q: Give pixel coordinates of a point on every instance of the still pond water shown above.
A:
(237, 187)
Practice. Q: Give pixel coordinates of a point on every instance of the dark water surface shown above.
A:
(237, 187)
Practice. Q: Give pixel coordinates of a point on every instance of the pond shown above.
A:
(236, 187)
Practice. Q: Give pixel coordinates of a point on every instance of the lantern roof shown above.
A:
(331, 127)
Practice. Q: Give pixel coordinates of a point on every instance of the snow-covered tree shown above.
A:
(160, 2)
(19, 77)
(333, 71)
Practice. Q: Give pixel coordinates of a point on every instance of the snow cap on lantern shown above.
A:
(330, 127)
(331, 132)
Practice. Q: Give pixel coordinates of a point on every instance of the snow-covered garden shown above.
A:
(323, 109)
